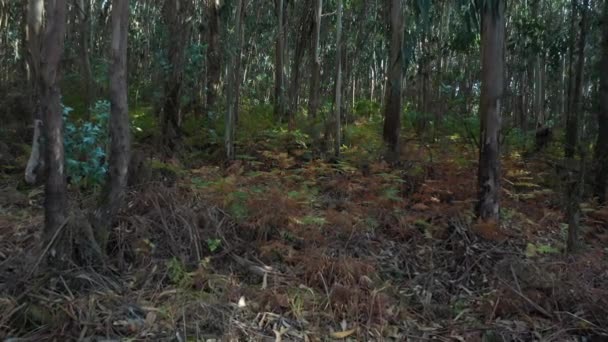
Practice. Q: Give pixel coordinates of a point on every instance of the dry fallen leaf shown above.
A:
(420, 207)
(342, 334)
(150, 318)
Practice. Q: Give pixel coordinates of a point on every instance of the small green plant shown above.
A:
(392, 194)
(177, 272)
(85, 145)
(312, 220)
(238, 205)
(213, 244)
(533, 250)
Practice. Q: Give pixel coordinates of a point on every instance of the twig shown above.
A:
(48, 246)
(536, 306)
(326, 290)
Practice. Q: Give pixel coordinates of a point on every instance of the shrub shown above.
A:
(85, 145)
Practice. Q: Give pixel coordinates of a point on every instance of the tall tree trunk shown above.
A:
(214, 68)
(56, 201)
(120, 134)
(34, 36)
(492, 69)
(338, 85)
(233, 85)
(392, 110)
(175, 14)
(572, 119)
(601, 146)
(84, 18)
(279, 82)
(295, 68)
(315, 74)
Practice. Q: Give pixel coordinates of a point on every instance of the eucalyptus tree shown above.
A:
(301, 34)
(601, 146)
(56, 200)
(393, 107)
(120, 134)
(214, 58)
(176, 16)
(281, 37)
(315, 71)
(83, 9)
(577, 62)
(34, 36)
(234, 80)
(492, 69)
(338, 82)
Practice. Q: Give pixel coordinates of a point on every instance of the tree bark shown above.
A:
(233, 86)
(120, 134)
(392, 110)
(214, 68)
(315, 75)
(601, 146)
(492, 69)
(295, 68)
(279, 82)
(572, 119)
(338, 85)
(174, 15)
(56, 200)
(34, 36)
(84, 17)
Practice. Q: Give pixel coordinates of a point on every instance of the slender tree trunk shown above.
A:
(233, 85)
(34, 37)
(392, 110)
(338, 85)
(572, 120)
(214, 68)
(295, 68)
(492, 69)
(84, 18)
(175, 14)
(601, 146)
(575, 169)
(315, 76)
(120, 135)
(279, 83)
(56, 201)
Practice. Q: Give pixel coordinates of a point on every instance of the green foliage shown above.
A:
(392, 194)
(85, 145)
(518, 139)
(213, 244)
(144, 123)
(367, 108)
(237, 206)
(462, 129)
(177, 273)
(533, 250)
(364, 140)
(254, 118)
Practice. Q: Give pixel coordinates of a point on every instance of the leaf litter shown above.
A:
(280, 249)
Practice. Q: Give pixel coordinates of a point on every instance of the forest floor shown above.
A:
(274, 247)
